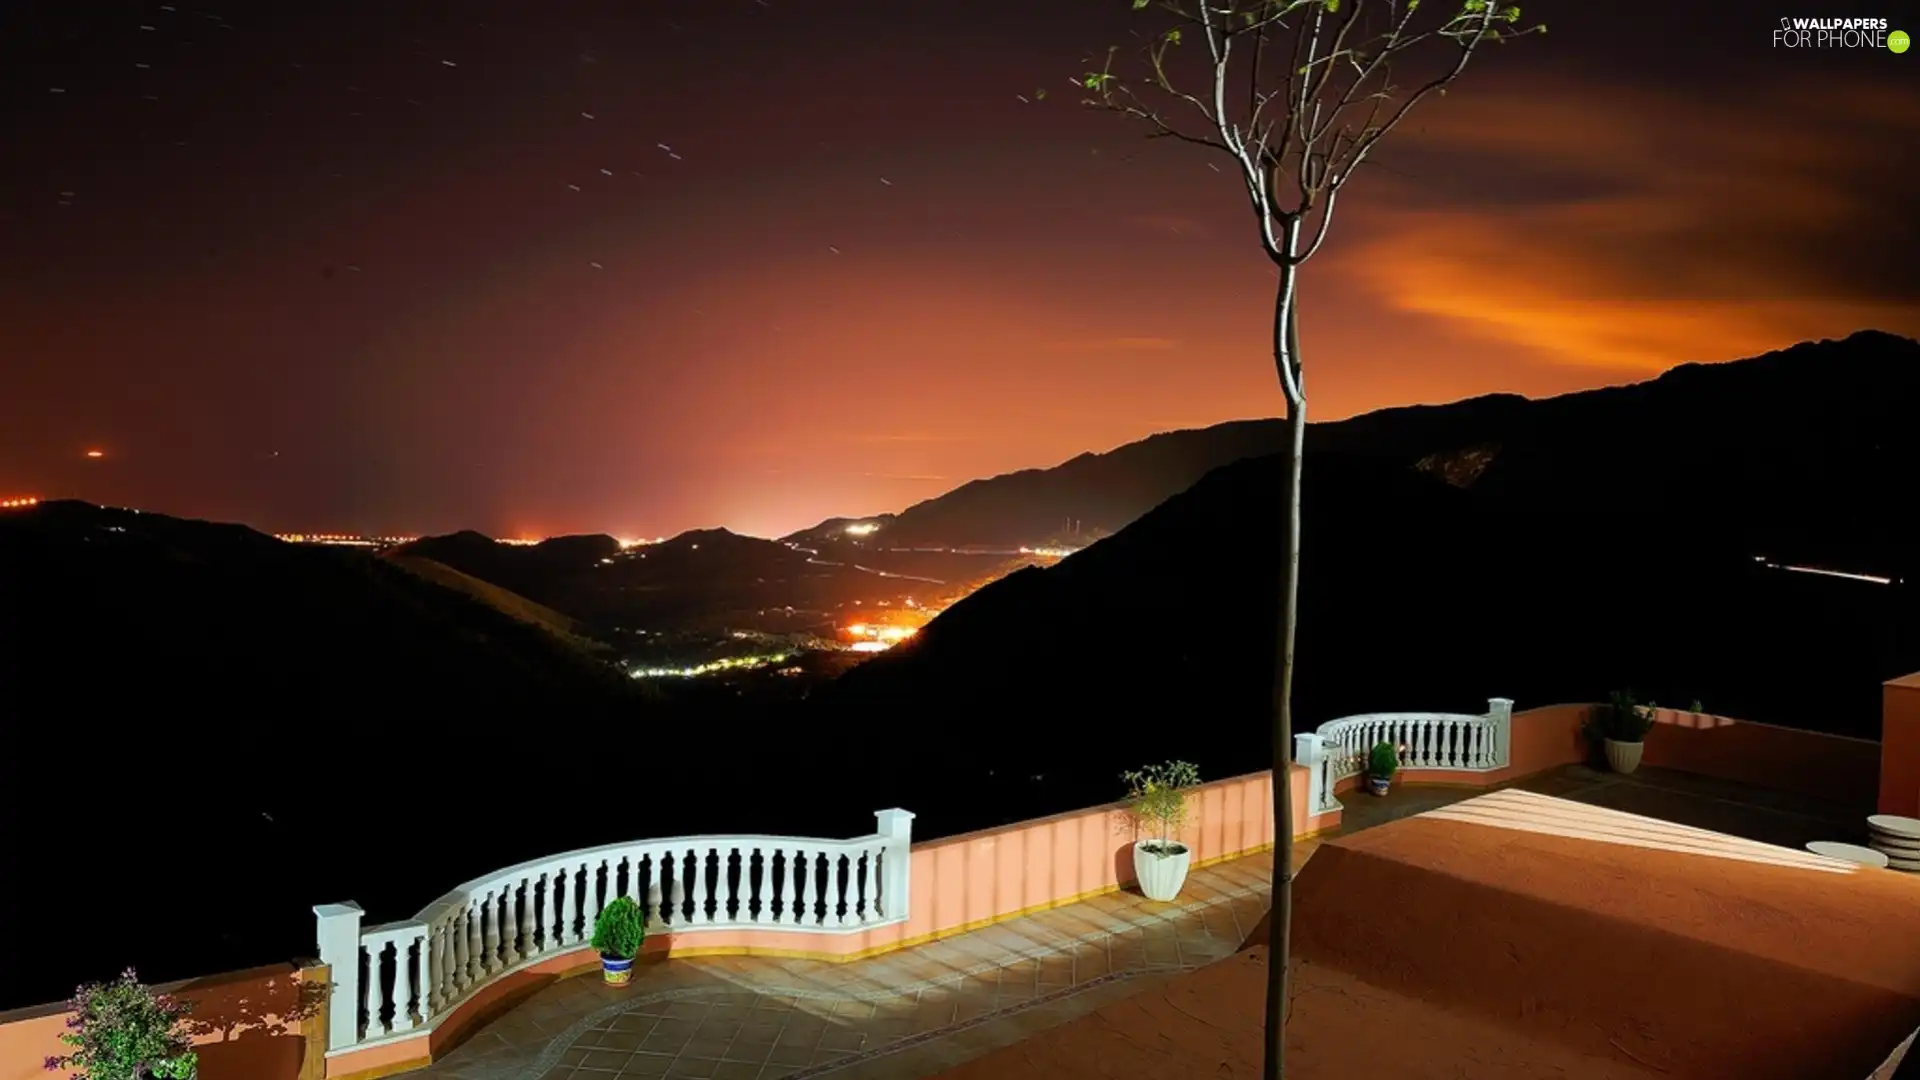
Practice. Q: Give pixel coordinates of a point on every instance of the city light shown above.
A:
(732, 663)
(18, 504)
(96, 453)
(865, 528)
(878, 638)
(1049, 552)
(343, 539)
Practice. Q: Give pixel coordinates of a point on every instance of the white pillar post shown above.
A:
(896, 828)
(1501, 710)
(1311, 751)
(339, 941)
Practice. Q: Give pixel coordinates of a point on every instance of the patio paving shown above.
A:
(921, 1011)
(905, 1014)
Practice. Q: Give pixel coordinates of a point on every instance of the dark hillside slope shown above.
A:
(1417, 595)
(110, 613)
(1799, 452)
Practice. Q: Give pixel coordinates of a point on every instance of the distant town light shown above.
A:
(864, 528)
(96, 453)
(20, 503)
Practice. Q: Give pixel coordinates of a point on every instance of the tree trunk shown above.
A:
(1286, 340)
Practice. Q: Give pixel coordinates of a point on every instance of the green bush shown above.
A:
(1157, 796)
(124, 1031)
(621, 929)
(1626, 720)
(1383, 761)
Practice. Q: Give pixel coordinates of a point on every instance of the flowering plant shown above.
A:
(124, 1031)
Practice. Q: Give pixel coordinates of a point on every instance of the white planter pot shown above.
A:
(1161, 874)
(1624, 757)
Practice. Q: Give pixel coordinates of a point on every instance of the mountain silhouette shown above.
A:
(1547, 551)
(110, 610)
(1797, 451)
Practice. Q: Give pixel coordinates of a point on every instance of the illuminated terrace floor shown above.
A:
(920, 1011)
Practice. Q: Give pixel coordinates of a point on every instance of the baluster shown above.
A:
(550, 940)
(695, 864)
(403, 983)
(463, 943)
(833, 887)
(667, 875)
(489, 941)
(1483, 746)
(746, 891)
(594, 903)
(869, 883)
(432, 969)
(796, 906)
(509, 924)
(730, 903)
(456, 953)
(1424, 752)
(376, 990)
(443, 965)
(575, 921)
(528, 916)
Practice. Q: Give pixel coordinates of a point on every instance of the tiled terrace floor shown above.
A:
(920, 1011)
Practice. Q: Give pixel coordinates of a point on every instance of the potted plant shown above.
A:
(124, 1031)
(1382, 762)
(1624, 724)
(618, 933)
(1157, 797)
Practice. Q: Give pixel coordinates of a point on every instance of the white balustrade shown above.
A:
(403, 978)
(1454, 742)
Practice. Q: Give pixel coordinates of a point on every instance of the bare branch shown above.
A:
(1314, 139)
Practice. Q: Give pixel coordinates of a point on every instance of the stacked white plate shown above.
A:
(1898, 838)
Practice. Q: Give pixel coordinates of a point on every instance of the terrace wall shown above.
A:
(1720, 747)
(260, 1024)
(1900, 747)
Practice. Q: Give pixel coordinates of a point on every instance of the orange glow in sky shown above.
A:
(868, 287)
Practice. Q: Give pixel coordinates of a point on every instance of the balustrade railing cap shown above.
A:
(459, 895)
(334, 911)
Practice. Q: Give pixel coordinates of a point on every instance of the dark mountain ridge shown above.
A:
(1417, 595)
(1765, 446)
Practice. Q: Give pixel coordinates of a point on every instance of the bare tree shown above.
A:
(1297, 94)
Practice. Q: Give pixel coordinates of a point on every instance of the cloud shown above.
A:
(1117, 344)
(1628, 230)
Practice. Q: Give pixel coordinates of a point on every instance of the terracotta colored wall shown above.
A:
(247, 1026)
(964, 881)
(1805, 762)
(1900, 747)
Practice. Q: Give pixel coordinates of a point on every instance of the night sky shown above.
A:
(543, 267)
